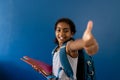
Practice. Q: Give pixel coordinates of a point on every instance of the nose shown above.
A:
(62, 33)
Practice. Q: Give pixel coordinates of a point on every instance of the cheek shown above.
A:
(56, 34)
(69, 35)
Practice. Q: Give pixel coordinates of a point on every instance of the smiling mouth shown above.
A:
(61, 38)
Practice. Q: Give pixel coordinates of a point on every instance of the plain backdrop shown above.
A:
(27, 29)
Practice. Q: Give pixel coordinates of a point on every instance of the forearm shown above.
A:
(76, 45)
(91, 47)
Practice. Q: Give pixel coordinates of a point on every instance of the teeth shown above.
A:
(61, 37)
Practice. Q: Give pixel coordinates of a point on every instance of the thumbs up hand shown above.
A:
(91, 45)
(87, 36)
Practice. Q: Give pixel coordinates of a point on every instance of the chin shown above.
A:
(61, 42)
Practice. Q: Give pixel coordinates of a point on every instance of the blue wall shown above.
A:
(27, 28)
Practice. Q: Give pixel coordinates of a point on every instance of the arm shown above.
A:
(88, 42)
(72, 47)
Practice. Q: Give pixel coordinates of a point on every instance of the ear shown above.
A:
(72, 34)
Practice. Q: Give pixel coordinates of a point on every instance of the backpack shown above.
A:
(85, 65)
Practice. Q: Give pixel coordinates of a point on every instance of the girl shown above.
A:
(64, 32)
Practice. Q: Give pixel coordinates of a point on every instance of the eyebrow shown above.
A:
(66, 29)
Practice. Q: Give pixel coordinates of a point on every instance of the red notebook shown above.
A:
(42, 67)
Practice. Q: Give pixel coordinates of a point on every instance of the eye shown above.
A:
(66, 30)
(58, 30)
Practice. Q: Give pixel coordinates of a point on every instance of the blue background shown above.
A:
(27, 28)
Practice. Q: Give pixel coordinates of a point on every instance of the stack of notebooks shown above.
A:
(42, 67)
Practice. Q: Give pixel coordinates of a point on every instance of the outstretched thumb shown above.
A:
(89, 27)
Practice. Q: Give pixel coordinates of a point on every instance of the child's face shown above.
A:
(63, 32)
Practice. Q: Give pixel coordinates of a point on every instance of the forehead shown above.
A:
(63, 25)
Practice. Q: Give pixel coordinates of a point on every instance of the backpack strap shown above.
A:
(80, 74)
(85, 67)
(89, 68)
(64, 61)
